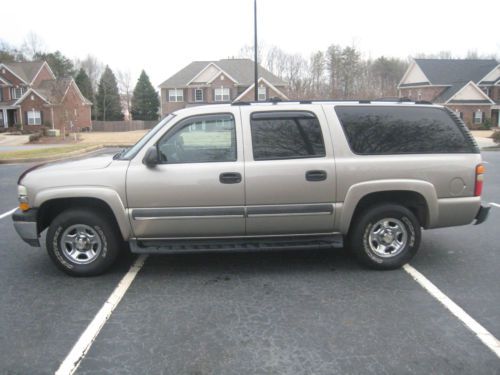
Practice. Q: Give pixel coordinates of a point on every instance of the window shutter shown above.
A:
(26, 117)
(41, 117)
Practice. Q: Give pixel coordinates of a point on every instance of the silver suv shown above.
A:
(261, 176)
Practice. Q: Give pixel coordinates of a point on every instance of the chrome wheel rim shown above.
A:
(81, 244)
(388, 237)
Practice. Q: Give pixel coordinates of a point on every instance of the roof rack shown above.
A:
(277, 100)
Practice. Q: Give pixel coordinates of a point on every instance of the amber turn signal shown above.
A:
(24, 206)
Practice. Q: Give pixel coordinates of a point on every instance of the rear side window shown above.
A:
(286, 135)
(405, 130)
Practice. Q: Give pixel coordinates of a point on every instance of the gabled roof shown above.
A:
(267, 83)
(54, 90)
(29, 92)
(455, 73)
(474, 95)
(26, 70)
(240, 70)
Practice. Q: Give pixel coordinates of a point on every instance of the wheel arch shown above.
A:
(52, 203)
(418, 196)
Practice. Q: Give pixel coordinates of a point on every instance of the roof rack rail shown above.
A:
(276, 100)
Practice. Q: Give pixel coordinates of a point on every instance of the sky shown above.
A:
(163, 36)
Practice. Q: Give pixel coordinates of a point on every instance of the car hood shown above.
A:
(91, 163)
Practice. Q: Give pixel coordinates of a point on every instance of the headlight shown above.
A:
(22, 196)
(21, 190)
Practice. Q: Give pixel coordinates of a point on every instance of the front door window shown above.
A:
(201, 139)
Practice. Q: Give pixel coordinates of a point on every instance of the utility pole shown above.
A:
(256, 78)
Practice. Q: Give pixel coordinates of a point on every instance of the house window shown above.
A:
(17, 92)
(1, 119)
(175, 95)
(34, 117)
(198, 95)
(419, 95)
(222, 94)
(478, 117)
(262, 95)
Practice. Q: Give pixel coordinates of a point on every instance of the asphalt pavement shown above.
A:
(300, 312)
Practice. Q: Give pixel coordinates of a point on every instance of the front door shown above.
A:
(289, 171)
(197, 190)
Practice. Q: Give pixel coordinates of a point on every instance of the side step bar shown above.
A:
(145, 246)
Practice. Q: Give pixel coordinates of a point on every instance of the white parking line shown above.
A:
(8, 213)
(495, 204)
(82, 346)
(486, 337)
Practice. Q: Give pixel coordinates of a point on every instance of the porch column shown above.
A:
(5, 118)
(20, 117)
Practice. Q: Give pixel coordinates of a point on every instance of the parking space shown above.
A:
(278, 313)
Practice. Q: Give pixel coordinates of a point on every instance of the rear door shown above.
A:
(289, 171)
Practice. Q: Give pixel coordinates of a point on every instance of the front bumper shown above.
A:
(482, 214)
(26, 226)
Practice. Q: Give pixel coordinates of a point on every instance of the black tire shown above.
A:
(367, 244)
(96, 225)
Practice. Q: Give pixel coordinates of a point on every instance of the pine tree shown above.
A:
(108, 107)
(82, 80)
(145, 101)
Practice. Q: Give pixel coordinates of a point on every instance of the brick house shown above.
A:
(223, 81)
(31, 96)
(469, 87)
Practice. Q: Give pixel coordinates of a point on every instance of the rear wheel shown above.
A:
(385, 236)
(82, 243)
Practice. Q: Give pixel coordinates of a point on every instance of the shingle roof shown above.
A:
(54, 90)
(239, 69)
(455, 73)
(25, 70)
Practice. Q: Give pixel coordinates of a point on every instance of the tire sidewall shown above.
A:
(107, 236)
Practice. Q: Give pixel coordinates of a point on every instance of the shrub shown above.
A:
(35, 136)
(496, 136)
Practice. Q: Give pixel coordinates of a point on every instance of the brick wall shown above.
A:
(428, 93)
(72, 111)
(468, 112)
(42, 76)
(30, 103)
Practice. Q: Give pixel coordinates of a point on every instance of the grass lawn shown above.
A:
(41, 152)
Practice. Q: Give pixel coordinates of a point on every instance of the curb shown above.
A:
(55, 158)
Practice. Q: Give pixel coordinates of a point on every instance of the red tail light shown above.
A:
(478, 189)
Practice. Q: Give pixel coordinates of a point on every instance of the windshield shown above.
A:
(131, 152)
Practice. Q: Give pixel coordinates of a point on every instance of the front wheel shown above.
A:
(82, 243)
(385, 236)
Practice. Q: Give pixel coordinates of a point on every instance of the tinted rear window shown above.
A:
(286, 135)
(406, 130)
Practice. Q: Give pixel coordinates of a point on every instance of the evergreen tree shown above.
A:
(82, 80)
(60, 64)
(108, 107)
(145, 101)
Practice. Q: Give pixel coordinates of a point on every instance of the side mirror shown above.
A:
(151, 158)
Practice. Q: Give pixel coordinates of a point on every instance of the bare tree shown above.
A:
(317, 69)
(33, 44)
(93, 67)
(247, 52)
(125, 88)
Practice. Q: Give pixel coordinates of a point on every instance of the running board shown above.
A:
(145, 246)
